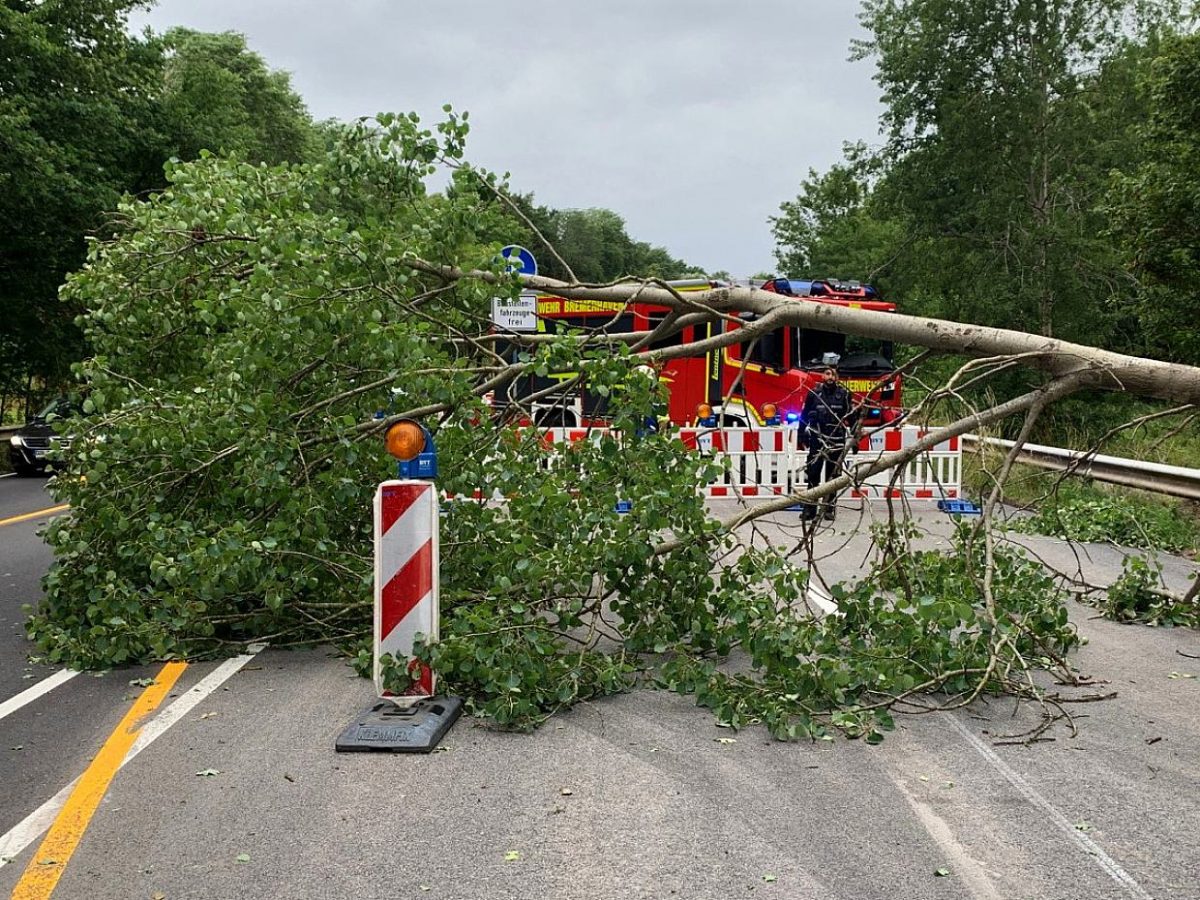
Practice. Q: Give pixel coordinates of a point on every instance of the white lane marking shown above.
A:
(35, 824)
(27, 696)
(970, 870)
(191, 700)
(8, 475)
(1026, 790)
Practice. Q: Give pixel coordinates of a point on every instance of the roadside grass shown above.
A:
(1084, 510)
(1080, 422)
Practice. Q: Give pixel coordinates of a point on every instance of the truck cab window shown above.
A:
(672, 340)
(854, 353)
(767, 350)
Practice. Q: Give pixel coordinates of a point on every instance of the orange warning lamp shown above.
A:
(405, 440)
(411, 443)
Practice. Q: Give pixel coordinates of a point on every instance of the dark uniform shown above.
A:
(829, 419)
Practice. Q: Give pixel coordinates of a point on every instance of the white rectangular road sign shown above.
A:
(518, 315)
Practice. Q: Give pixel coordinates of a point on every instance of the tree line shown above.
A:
(90, 113)
(1037, 171)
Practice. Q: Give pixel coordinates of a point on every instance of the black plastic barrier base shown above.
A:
(384, 727)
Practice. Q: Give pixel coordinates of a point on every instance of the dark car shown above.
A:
(28, 448)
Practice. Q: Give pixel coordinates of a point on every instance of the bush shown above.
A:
(1137, 596)
(1080, 511)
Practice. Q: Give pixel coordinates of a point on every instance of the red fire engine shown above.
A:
(743, 383)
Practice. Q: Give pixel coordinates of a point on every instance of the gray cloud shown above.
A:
(693, 120)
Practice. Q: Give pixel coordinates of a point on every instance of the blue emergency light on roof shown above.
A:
(791, 287)
(793, 417)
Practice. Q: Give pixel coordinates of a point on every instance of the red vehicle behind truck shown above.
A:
(742, 384)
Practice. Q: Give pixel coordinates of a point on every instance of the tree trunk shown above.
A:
(1106, 369)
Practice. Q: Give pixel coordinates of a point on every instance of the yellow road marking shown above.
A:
(24, 517)
(50, 860)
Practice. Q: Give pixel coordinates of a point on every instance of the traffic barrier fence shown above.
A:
(770, 462)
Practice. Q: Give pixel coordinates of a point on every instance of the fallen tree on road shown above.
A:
(248, 323)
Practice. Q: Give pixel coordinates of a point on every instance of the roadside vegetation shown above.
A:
(1087, 511)
(1138, 596)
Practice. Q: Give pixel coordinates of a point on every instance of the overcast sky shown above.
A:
(693, 119)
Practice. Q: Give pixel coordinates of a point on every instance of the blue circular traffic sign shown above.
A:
(519, 260)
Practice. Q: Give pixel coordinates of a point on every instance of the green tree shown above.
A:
(89, 113)
(1156, 203)
(77, 119)
(220, 96)
(836, 228)
(990, 143)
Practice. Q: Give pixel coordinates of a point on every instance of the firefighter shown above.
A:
(830, 418)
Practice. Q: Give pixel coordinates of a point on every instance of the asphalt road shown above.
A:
(23, 561)
(634, 796)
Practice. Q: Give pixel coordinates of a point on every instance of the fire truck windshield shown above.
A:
(856, 354)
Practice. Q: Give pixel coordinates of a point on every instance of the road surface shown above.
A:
(634, 796)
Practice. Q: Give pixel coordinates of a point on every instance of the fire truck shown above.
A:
(763, 381)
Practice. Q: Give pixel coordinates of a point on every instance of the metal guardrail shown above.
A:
(1176, 481)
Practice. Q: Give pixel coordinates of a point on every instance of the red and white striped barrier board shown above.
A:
(758, 459)
(406, 579)
(934, 474)
(889, 439)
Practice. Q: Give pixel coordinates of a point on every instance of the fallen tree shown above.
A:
(249, 323)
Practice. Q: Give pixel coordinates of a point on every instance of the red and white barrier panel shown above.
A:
(406, 579)
(758, 460)
(763, 462)
(933, 474)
